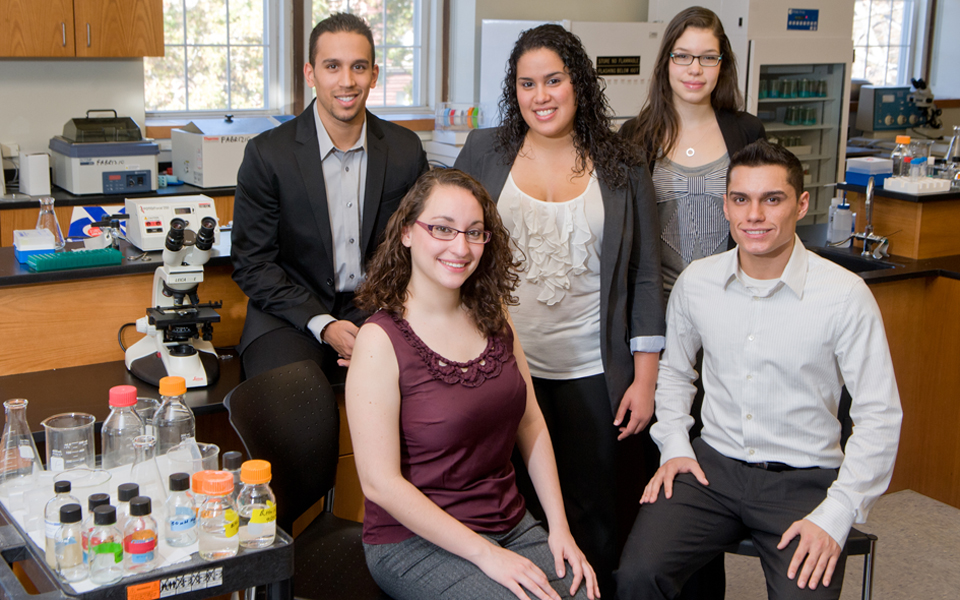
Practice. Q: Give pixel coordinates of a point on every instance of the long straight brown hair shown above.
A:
(658, 125)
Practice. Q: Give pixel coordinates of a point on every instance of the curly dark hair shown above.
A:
(486, 293)
(658, 125)
(592, 135)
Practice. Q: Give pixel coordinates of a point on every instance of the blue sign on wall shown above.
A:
(802, 19)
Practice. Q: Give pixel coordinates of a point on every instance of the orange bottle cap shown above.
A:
(255, 472)
(903, 139)
(216, 483)
(173, 386)
(197, 479)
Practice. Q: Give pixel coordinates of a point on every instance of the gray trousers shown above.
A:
(415, 569)
(674, 538)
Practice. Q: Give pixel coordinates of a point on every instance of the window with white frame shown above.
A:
(882, 41)
(398, 34)
(217, 57)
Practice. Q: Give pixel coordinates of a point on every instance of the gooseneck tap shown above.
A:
(867, 236)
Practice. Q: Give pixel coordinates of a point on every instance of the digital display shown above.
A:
(887, 98)
(182, 211)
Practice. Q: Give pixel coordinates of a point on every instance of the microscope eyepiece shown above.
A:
(174, 240)
(205, 237)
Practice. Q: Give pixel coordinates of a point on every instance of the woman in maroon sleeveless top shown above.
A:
(438, 393)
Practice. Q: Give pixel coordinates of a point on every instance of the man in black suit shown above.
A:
(313, 196)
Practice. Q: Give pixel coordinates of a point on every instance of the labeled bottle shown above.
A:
(125, 493)
(51, 519)
(69, 552)
(105, 548)
(19, 461)
(180, 527)
(900, 152)
(121, 427)
(174, 421)
(218, 521)
(232, 463)
(140, 538)
(93, 501)
(257, 505)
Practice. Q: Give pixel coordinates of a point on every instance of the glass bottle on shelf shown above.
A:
(51, 518)
(125, 493)
(105, 547)
(69, 553)
(48, 220)
(93, 501)
(122, 425)
(180, 526)
(218, 522)
(145, 472)
(901, 152)
(20, 462)
(140, 538)
(174, 421)
(257, 505)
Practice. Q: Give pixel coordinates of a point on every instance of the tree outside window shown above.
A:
(216, 57)
(397, 37)
(882, 32)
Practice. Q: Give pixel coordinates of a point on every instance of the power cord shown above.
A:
(120, 334)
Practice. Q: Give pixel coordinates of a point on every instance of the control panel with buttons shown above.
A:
(887, 108)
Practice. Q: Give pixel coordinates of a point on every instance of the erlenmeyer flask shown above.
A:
(48, 220)
(145, 472)
(19, 461)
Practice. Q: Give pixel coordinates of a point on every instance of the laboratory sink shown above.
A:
(852, 261)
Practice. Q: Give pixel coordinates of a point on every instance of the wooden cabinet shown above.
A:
(84, 28)
(118, 27)
(32, 28)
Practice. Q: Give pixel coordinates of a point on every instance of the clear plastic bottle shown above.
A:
(121, 427)
(232, 463)
(69, 552)
(51, 518)
(180, 526)
(174, 421)
(901, 151)
(125, 493)
(19, 461)
(105, 548)
(218, 522)
(257, 506)
(93, 501)
(140, 538)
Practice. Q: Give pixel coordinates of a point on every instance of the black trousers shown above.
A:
(591, 468)
(288, 345)
(674, 538)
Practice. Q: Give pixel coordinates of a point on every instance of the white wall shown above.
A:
(38, 96)
(944, 80)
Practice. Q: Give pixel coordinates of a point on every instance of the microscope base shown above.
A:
(145, 362)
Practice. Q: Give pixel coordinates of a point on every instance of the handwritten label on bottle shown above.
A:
(264, 515)
(232, 525)
(185, 519)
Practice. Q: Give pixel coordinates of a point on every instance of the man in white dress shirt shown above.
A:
(782, 331)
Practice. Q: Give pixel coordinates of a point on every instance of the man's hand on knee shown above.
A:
(341, 335)
(665, 476)
(817, 551)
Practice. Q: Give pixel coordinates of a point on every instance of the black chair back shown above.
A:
(289, 417)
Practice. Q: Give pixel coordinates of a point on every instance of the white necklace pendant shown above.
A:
(690, 152)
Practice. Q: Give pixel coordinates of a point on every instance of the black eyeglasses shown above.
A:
(684, 60)
(445, 233)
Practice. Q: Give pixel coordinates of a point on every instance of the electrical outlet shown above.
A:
(9, 149)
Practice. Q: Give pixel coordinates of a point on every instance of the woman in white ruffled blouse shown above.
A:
(580, 208)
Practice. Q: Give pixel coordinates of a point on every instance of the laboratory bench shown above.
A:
(919, 299)
(19, 211)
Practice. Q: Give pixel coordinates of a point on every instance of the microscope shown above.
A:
(179, 328)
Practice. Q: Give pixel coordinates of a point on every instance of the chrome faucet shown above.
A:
(868, 236)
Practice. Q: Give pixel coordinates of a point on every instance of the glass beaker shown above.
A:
(20, 462)
(48, 220)
(146, 408)
(70, 441)
(145, 471)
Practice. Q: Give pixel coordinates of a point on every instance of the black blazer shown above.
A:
(282, 246)
(631, 285)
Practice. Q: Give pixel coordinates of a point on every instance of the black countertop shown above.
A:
(815, 238)
(14, 273)
(64, 198)
(879, 191)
